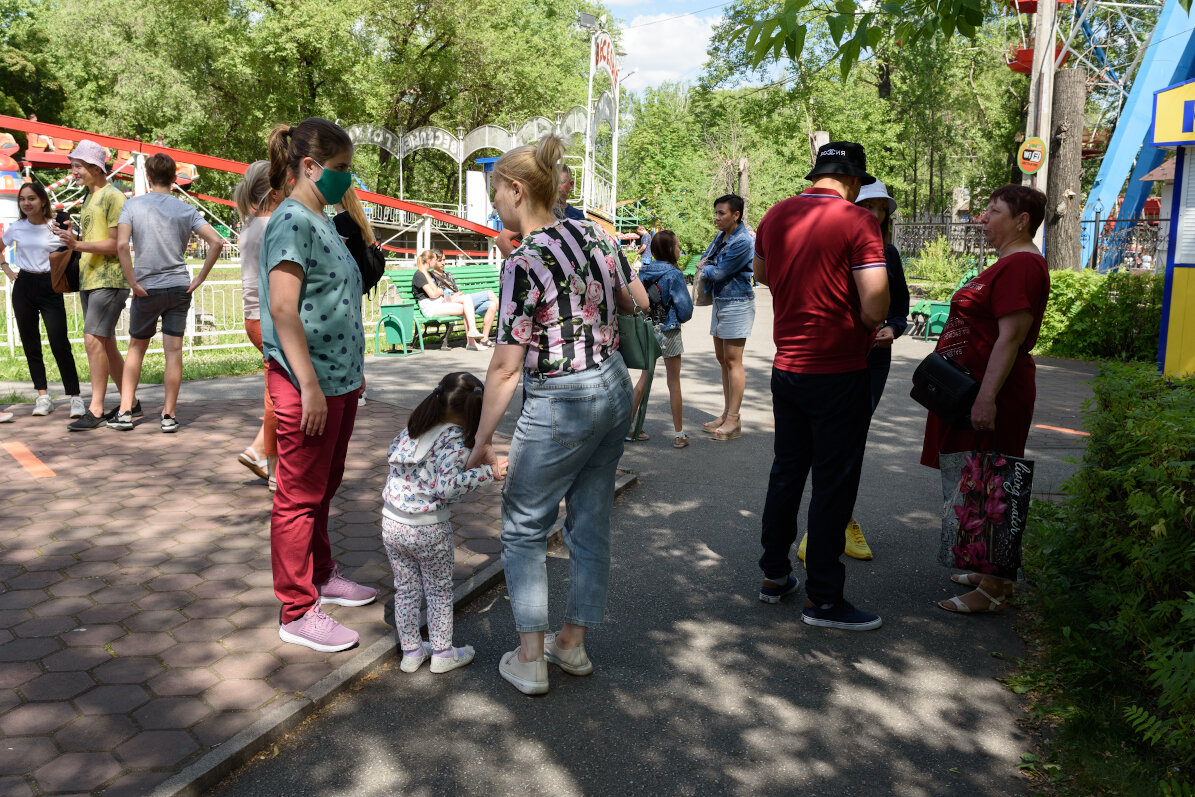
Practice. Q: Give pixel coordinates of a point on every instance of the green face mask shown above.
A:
(332, 184)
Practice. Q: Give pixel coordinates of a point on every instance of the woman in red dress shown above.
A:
(993, 325)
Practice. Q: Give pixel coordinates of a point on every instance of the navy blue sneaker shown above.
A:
(840, 615)
(772, 591)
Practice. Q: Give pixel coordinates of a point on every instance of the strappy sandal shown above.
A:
(733, 433)
(965, 579)
(956, 604)
(709, 427)
(637, 438)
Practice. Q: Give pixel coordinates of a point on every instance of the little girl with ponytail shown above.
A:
(427, 474)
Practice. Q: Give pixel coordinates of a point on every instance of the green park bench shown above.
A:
(401, 317)
(929, 316)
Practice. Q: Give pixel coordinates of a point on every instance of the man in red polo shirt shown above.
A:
(822, 256)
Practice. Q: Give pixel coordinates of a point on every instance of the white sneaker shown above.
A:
(43, 406)
(573, 661)
(77, 408)
(5, 417)
(529, 677)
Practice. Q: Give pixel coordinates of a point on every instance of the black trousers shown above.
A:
(33, 297)
(879, 363)
(821, 425)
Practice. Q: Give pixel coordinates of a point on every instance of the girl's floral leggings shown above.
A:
(421, 558)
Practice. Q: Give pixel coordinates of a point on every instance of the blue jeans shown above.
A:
(566, 445)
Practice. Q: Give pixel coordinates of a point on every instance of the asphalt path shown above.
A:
(699, 688)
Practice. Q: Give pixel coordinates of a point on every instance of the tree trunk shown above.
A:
(743, 183)
(1062, 248)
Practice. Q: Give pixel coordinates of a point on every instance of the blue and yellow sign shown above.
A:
(1174, 116)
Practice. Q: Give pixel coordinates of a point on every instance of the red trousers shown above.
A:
(309, 472)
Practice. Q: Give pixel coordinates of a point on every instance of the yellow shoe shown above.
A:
(856, 545)
(801, 548)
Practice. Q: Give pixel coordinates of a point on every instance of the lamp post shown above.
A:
(590, 23)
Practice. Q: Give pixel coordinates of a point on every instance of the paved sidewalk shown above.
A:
(138, 625)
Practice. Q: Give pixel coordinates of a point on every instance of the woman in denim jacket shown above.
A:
(727, 271)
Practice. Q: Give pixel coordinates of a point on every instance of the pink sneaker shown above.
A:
(342, 592)
(318, 631)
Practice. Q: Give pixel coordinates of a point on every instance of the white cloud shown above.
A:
(665, 51)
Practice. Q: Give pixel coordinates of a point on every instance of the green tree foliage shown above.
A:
(216, 75)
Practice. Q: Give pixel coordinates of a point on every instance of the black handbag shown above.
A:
(945, 388)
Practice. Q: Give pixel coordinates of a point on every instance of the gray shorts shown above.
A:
(101, 310)
(169, 304)
(733, 319)
(671, 344)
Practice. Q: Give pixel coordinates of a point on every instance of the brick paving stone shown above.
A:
(19, 650)
(155, 620)
(203, 630)
(164, 600)
(194, 654)
(239, 694)
(90, 569)
(131, 574)
(15, 786)
(257, 665)
(96, 732)
(162, 593)
(156, 749)
(106, 613)
(17, 673)
(36, 580)
(183, 681)
(171, 712)
(147, 644)
(61, 607)
(31, 719)
(56, 686)
(44, 626)
(135, 784)
(112, 699)
(128, 670)
(174, 582)
(299, 676)
(19, 755)
(223, 726)
(81, 772)
(76, 659)
(248, 640)
(24, 598)
(231, 588)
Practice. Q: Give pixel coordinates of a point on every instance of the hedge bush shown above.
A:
(1114, 569)
(1102, 317)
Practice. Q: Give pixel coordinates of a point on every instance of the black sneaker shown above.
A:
(121, 422)
(839, 615)
(772, 591)
(88, 421)
(169, 424)
(136, 411)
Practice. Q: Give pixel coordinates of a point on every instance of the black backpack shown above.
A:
(370, 260)
(658, 311)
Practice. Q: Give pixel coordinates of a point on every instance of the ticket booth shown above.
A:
(1174, 126)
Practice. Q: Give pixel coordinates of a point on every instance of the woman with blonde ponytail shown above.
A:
(315, 356)
(562, 289)
(255, 201)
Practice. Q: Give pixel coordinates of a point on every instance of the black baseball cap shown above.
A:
(842, 157)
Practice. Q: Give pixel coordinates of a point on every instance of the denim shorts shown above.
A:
(566, 446)
(169, 304)
(732, 319)
(101, 310)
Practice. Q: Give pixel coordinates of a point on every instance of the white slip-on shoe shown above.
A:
(459, 658)
(529, 677)
(573, 661)
(411, 663)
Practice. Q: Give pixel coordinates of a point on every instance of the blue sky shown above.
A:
(665, 40)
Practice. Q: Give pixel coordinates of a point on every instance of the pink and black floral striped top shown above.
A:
(557, 298)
